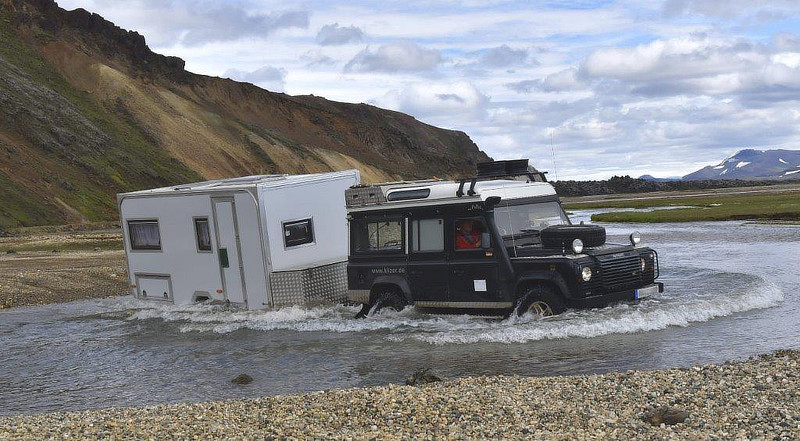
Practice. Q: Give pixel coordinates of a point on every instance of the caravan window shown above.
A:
(203, 233)
(377, 236)
(144, 235)
(298, 233)
(427, 235)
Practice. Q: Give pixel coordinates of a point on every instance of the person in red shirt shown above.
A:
(467, 236)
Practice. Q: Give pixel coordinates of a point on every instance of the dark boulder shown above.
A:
(422, 376)
(667, 415)
(242, 379)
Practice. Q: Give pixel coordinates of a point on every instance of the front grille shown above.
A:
(620, 271)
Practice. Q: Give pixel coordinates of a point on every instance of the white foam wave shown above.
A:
(620, 319)
(681, 306)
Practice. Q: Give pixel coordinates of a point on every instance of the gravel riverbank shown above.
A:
(755, 399)
(40, 265)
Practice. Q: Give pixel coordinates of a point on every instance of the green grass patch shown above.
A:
(758, 206)
(19, 207)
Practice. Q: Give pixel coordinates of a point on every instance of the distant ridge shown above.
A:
(753, 164)
(655, 179)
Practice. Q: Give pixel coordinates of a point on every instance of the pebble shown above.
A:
(728, 401)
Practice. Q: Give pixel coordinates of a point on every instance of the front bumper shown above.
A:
(626, 295)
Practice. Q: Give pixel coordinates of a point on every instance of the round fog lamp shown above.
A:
(586, 274)
(635, 238)
(577, 246)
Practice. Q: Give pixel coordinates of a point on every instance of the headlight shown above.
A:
(586, 273)
(644, 264)
(577, 246)
(635, 238)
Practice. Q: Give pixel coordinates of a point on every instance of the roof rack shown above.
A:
(509, 169)
(376, 194)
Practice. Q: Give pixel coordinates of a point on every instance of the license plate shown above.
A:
(645, 292)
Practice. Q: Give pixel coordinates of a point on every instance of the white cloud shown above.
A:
(454, 102)
(268, 77)
(333, 34)
(699, 64)
(503, 56)
(762, 9)
(564, 80)
(403, 56)
(196, 22)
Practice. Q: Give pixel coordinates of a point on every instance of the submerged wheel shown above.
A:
(388, 299)
(540, 300)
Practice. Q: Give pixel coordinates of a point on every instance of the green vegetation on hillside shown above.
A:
(755, 206)
(122, 160)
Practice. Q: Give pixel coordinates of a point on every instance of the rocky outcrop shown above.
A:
(103, 36)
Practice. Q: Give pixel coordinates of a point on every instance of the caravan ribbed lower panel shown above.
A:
(319, 284)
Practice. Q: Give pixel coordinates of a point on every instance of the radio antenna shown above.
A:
(553, 151)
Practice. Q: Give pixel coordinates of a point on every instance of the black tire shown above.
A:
(540, 299)
(383, 300)
(561, 236)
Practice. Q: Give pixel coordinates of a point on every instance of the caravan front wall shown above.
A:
(316, 270)
(180, 264)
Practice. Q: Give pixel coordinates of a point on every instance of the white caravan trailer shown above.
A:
(256, 242)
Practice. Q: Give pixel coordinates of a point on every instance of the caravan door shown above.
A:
(230, 260)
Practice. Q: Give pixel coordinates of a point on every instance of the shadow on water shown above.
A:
(731, 293)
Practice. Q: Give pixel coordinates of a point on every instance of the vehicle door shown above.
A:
(427, 260)
(230, 260)
(377, 250)
(473, 267)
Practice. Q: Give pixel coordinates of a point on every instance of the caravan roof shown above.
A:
(240, 183)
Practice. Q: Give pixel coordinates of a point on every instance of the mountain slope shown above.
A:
(750, 164)
(87, 110)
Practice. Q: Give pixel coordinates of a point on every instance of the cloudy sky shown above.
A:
(621, 87)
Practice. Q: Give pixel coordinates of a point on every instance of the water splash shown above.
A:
(698, 296)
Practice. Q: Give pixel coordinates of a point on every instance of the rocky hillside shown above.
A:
(87, 110)
(753, 164)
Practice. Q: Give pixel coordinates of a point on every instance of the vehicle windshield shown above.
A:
(525, 218)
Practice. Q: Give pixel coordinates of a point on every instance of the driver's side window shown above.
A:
(470, 234)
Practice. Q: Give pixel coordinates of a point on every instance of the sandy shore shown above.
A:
(756, 399)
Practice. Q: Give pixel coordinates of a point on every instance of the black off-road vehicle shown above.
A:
(495, 244)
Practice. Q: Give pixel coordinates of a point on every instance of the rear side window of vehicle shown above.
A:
(144, 235)
(377, 236)
(297, 233)
(427, 235)
(203, 234)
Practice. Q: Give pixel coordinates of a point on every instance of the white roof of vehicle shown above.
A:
(243, 182)
(445, 192)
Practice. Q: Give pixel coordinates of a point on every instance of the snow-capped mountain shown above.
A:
(753, 164)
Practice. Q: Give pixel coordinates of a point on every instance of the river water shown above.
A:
(732, 291)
